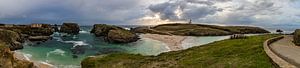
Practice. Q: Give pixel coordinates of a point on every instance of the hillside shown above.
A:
(199, 30)
(232, 53)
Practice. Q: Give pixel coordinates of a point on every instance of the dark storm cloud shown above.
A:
(186, 9)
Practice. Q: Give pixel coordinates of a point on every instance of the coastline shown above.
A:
(22, 56)
(174, 42)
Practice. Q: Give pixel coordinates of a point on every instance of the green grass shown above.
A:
(232, 53)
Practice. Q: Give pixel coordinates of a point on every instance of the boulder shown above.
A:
(114, 34)
(8, 60)
(121, 36)
(70, 28)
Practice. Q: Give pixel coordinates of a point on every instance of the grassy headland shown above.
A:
(199, 30)
(231, 53)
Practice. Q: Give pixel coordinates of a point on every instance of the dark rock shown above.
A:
(55, 28)
(8, 60)
(78, 50)
(74, 56)
(103, 29)
(39, 38)
(70, 28)
(121, 36)
(114, 34)
(11, 38)
(297, 37)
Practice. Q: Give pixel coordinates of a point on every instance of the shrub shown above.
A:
(297, 37)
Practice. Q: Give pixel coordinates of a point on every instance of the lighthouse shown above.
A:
(190, 22)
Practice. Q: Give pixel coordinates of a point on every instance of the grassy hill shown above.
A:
(199, 30)
(231, 53)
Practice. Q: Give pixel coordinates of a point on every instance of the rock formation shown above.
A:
(10, 40)
(13, 39)
(114, 34)
(70, 28)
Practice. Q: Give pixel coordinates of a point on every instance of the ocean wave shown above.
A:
(22, 56)
(77, 43)
(48, 64)
(57, 52)
(27, 56)
(82, 31)
(127, 28)
(68, 66)
(58, 39)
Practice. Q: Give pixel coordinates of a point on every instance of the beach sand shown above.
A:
(174, 42)
(22, 56)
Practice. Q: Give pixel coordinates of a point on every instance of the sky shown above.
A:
(282, 13)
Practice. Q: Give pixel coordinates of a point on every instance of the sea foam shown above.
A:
(77, 43)
(57, 52)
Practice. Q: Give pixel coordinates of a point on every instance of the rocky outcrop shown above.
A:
(121, 36)
(8, 60)
(10, 40)
(31, 31)
(297, 37)
(114, 34)
(13, 39)
(198, 30)
(70, 28)
(39, 38)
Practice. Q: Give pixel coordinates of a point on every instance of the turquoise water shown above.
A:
(58, 51)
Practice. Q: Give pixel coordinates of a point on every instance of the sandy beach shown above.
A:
(37, 64)
(173, 42)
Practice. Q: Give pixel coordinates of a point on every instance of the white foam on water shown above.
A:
(57, 52)
(127, 28)
(69, 66)
(77, 43)
(27, 56)
(58, 39)
(22, 55)
(74, 37)
(84, 32)
(42, 62)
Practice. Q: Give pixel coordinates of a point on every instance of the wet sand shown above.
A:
(174, 42)
(22, 56)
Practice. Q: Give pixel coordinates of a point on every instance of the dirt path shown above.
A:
(287, 50)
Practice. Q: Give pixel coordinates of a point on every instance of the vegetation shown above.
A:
(297, 37)
(231, 53)
(199, 30)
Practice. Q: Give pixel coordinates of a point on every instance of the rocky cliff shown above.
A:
(114, 33)
(70, 28)
(13, 39)
(10, 40)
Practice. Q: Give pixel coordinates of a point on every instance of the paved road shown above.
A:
(287, 50)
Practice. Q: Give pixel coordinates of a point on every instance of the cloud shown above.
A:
(81, 11)
(227, 12)
(88, 12)
(184, 9)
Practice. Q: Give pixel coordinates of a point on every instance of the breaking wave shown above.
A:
(76, 43)
(57, 52)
